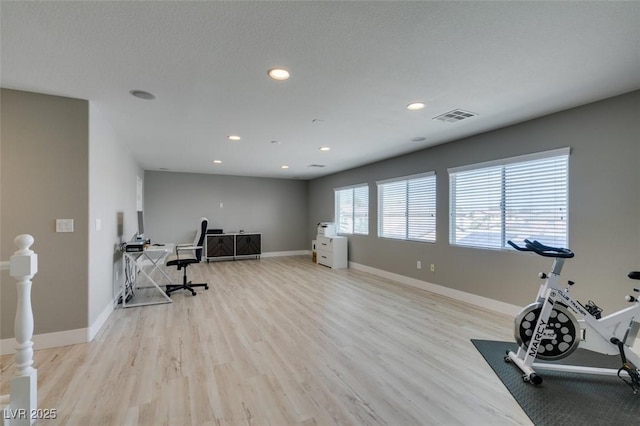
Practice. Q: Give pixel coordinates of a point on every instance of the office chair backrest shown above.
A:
(199, 240)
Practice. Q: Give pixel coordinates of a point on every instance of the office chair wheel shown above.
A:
(193, 293)
(206, 287)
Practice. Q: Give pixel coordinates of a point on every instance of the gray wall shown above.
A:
(47, 147)
(44, 178)
(276, 207)
(112, 200)
(604, 207)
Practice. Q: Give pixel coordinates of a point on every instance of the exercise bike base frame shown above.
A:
(513, 357)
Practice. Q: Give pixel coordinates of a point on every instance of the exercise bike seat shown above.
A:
(634, 275)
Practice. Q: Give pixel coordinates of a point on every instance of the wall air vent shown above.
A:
(316, 165)
(455, 116)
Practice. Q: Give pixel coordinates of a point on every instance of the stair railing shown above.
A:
(23, 390)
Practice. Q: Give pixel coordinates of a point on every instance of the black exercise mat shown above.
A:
(567, 398)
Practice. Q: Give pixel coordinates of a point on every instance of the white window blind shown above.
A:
(352, 210)
(407, 208)
(511, 199)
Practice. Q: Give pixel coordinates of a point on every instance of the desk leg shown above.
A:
(139, 267)
(129, 268)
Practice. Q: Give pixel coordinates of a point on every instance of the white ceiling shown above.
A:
(354, 67)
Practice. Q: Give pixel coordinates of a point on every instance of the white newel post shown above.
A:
(23, 391)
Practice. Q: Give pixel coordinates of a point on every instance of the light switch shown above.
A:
(64, 225)
(98, 224)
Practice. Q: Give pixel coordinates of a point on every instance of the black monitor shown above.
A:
(140, 224)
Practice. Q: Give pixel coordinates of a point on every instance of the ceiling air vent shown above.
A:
(316, 165)
(455, 116)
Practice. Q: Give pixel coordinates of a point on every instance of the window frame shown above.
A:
(354, 216)
(432, 202)
(502, 166)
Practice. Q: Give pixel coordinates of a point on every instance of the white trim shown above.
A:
(474, 299)
(401, 178)
(358, 185)
(48, 340)
(287, 253)
(518, 159)
(61, 338)
(97, 325)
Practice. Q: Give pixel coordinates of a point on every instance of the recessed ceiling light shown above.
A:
(233, 137)
(142, 94)
(276, 142)
(418, 139)
(217, 161)
(325, 148)
(415, 106)
(278, 74)
(284, 167)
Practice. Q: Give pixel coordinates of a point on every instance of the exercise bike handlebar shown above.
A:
(543, 250)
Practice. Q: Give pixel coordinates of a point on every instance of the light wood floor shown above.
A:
(282, 341)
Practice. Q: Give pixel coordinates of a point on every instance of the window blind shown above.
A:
(352, 210)
(522, 198)
(407, 208)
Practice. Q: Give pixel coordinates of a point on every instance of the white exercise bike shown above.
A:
(548, 330)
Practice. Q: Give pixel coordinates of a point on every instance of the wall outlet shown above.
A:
(433, 267)
(419, 264)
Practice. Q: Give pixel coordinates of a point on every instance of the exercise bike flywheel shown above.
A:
(561, 335)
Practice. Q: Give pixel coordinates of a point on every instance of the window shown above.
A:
(352, 210)
(511, 199)
(407, 208)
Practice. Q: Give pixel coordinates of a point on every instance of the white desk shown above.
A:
(145, 262)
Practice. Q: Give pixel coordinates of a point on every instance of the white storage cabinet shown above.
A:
(332, 251)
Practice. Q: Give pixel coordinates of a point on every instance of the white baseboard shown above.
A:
(97, 325)
(474, 299)
(47, 340)
(61, 338)
(286, 253)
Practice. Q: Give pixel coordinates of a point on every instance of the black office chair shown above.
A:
(186, 254)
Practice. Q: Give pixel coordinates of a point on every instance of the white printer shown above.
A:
(327, 229)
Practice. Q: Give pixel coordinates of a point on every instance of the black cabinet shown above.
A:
(248, 244)
(233, 245)
(220, 246)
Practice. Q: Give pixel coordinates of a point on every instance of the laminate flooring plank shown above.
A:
(281, 341)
